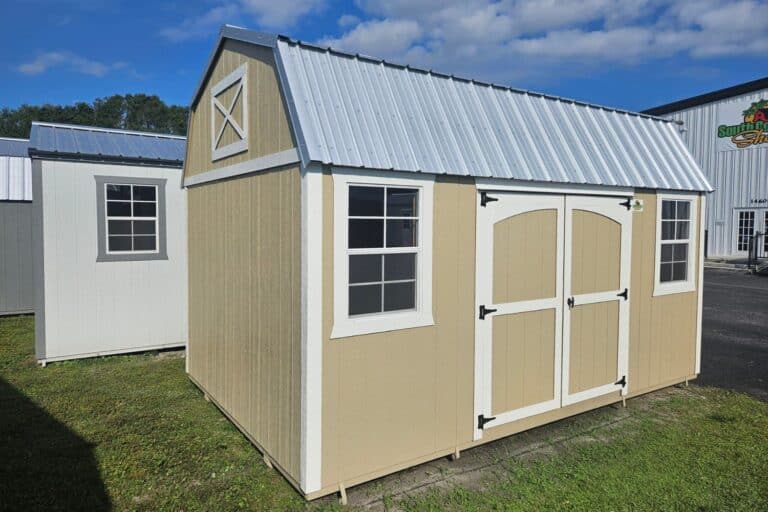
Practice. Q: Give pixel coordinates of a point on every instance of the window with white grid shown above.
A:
(131, 212)
(675, 240)
(765, 233)
(383, 249)
(130, 218)
(675, 244)
(745, 229)
(382, 252)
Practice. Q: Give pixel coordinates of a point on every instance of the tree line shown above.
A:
(128, 112)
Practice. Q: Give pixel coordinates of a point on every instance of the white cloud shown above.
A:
(280, 13)
(507, 40)
(269, 14)
(384, 38)
(69, 60)
(501, 40)
(203, 25)
(347, 20)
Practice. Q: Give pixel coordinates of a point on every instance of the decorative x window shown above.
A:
(228, 99)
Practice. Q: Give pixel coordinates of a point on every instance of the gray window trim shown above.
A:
(101, 234)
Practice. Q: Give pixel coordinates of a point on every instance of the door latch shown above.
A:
(482, 420)
(622, 382)
(570, 302)
(485, 199)
(624, 294)
(627, 203)
(485, 311)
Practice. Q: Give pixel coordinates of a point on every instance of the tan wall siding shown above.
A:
(391, 400)
(245, 285)
(662, 339)
(269, 129)
(411, 383)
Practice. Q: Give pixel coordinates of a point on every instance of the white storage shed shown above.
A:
(110, 241)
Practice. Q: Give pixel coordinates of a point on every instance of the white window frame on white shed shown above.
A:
(689, 284)
(237, 78)
(345, 325)
(132, 202)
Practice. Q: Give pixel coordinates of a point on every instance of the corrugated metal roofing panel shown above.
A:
(14, 147)
(88, 142)
(359, 112)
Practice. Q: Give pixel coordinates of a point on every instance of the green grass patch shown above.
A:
(133, 433)
(701, 450)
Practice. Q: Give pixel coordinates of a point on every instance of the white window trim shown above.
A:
(689, 284)
(217, 109)
(735, 228)
(344, 325)
(107, 217)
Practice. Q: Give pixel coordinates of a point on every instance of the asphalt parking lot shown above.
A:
(735, 335)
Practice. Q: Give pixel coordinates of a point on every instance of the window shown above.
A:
(765, 234)
(131, 218)
(383, 249)
(229, 114)
(745, 228)
(131, 223)
(675, 244)
(382, 253)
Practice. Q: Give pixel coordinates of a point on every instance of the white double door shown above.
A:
(747, 223)
(552, 298)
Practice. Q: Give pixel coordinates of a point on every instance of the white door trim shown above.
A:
(612, 209)
(735, 234)
(700, 279)
(539, 187)
(487, 216)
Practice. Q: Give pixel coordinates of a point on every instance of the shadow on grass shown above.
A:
(43, 464)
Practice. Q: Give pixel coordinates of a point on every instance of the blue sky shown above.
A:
(626, 53)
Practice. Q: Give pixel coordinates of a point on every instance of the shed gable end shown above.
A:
(240, 114)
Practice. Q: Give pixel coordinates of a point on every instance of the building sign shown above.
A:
(741, 126)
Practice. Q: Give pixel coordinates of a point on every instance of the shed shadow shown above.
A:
(43, 464)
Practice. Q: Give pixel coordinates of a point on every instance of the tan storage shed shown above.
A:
(388, 265)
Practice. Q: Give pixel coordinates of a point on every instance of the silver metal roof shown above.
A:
(90, 143)
(15, 170)
(358, 112)
(14, 147)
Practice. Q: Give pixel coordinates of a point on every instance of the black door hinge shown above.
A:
(570, 302)
(482, 420)
(627, 203)
(624, 294)
(485, 199)
(485, 311)
(622, 381)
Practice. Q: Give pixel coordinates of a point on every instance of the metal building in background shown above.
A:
(16, 290)
(727, 133)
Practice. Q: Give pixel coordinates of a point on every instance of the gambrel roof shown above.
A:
(355, 111)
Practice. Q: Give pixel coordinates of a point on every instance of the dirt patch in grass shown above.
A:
(132, 433)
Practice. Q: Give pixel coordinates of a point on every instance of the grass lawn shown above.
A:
(132, 433)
